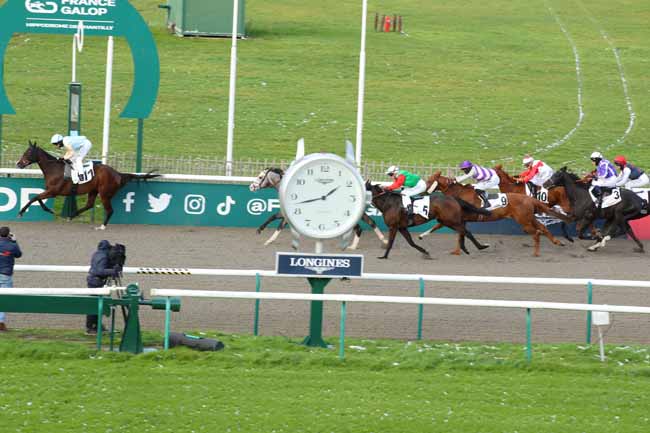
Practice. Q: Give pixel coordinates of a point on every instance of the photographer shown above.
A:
(100, 271)
(9, 251)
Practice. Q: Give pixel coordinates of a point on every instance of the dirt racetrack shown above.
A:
(200, 247)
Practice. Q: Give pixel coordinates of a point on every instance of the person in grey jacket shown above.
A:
(9, 251)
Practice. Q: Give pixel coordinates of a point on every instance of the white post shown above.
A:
(319, 247)
(107, 99)
(362, 82)
(233, 79)
(74, 59)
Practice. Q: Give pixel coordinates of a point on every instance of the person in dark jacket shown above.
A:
(99, 272)
(9, 251)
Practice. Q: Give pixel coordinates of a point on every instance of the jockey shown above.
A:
(486, 178)
(630, 176)
(410, 183)
(536, 173)
(76, 148)
(605, 179)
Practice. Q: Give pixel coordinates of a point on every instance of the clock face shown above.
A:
(322, 196)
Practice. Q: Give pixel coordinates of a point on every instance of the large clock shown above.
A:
(322, 195)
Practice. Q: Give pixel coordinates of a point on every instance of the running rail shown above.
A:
(343, 299)
(366, 276)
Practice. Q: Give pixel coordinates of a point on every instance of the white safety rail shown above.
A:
(103, 291)
(399, 300)
(197, 177)
(344, 298)
(479, 279)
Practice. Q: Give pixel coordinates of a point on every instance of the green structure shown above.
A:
(129, 304)
(204, 17)
(105, 18)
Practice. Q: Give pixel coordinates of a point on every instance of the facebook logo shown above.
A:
(128, 201)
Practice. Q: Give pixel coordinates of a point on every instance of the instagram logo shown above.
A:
(194, 204)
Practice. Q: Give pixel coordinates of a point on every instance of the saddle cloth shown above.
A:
(80, 178)
(541, 194)
(501, 200)
(421, 206)
(612, 199)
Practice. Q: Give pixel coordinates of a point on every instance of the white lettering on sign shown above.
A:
(12, 198)
(307, 261)
(109, 3)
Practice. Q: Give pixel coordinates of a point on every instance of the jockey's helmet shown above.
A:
(620, 160)
(527, 160)
(392, 170)
(465, 164)
(57, 139)
(596, 156)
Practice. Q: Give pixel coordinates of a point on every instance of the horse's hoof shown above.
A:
(385, 242)
(426, 256)
(560, 244)
(482, 247)
(101, 227)
(639, 250)
(455, 253)
(593, 248)
(420, 237)
(258, 231)
(382, 258)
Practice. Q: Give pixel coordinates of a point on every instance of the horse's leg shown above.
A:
(529, 227)
(108, 211)
(391, 238)
(630, 233)
(39, 198)
(44, 207)
(92, 196)
(277, 231)
(269, 221)
(366, 219)
(357, 237)
(407, 235)
(476, 243)
(431, 230)
(541, 228)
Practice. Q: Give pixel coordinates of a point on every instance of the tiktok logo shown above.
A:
(225, 207)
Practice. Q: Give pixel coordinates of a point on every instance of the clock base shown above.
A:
(315, 337)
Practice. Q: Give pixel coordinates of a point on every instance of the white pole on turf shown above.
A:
(362, 82)
(107, 99)
(233, 79)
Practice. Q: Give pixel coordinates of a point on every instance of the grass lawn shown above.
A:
(490, 80)
(270, 384)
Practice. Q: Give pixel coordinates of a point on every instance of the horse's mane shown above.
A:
(501, 172)
(43, 151)
(276, 170)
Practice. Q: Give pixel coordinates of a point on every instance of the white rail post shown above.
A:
(231, 95)
(107, 99)
(362, 81)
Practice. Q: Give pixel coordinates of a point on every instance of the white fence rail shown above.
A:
(343, 299)
(103, 291)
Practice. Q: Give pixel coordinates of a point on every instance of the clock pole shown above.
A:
(315, 337)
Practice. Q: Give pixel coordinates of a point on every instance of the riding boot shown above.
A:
(409, 214)
(484, 197)
(533, 189)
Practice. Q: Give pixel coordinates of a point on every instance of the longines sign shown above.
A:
(319, 265)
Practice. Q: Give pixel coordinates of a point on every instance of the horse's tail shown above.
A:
(128, 177)
(471, 208)
(542, 208)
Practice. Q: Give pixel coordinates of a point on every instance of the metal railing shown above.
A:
(216, 166)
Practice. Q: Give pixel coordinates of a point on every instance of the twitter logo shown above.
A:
(159, 204)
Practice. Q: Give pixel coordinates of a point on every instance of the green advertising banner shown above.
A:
(15, 193)
(200, 204)
(193, 204)
(97, 17)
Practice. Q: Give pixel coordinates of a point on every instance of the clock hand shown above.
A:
(319, 198)
(331, 192)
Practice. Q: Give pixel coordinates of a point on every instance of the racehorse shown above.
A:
(520, 208)
(616, 217)
(448, 211)
(106, 182)
(271, 178)
(556, 196)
